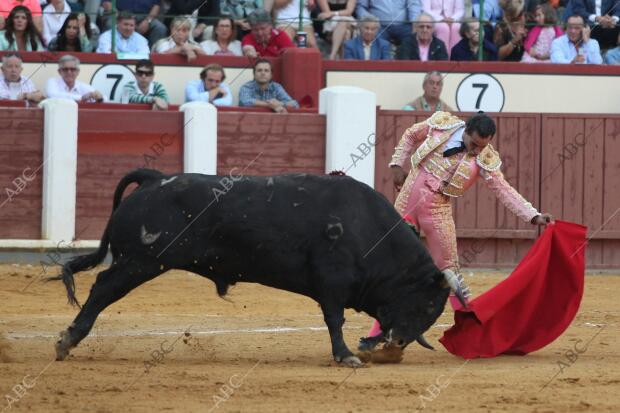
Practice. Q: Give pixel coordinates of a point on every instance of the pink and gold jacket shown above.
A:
(452, 176)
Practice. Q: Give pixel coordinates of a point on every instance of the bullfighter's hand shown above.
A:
(542, 219)
(399, 176)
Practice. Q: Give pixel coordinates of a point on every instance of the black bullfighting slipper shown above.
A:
(369, 343)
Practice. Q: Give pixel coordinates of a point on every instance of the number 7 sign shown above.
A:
(480, 91)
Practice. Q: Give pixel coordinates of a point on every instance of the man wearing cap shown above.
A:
(264, 40)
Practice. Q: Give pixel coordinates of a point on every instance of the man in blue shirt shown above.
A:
(146, 12)
(127, 40)
(576, 46)
(396, 16)
(262, 92)
(210, 87)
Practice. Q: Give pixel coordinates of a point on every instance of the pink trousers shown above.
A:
(431, 213)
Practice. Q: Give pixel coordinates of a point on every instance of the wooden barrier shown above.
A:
(21, 174)
(564, 164)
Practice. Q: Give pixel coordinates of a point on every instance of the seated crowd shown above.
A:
(210, 87)
(555, 31)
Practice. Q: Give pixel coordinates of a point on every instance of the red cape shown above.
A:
(530, 308)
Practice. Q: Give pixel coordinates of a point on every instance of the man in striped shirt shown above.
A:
(12, 85)
(144, 89)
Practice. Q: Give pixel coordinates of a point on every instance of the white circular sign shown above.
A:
(480, 91)
(110, 80)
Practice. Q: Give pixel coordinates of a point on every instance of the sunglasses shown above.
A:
(69, 69)
(144, 73)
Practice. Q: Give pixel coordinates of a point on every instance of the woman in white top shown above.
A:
(54, 15)
(339, 21)
(286, 13)
(179, 41)
(224, 39)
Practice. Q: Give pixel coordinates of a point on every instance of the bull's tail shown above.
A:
(89, 261)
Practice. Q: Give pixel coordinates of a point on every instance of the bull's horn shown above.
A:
(422, 341)
(453, 281)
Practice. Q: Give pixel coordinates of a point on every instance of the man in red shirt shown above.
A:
(264, 40)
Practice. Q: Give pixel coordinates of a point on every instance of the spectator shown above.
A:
(367, 46)
(492, 14)
(339, 21)
(509, 37)
(264, 40)
(430, 101)
(239, 10)
(576, 46)
(54, 15)
(74, 35)
(7, 6)
(263, 92)
(179, 41)
(146, 12)
(127, 40)
(20, 33)
(208, 12)
(287, 19)
(67, 86)
(12, 85)
(144, 89)
(538, 41)
(447, 15)
(224, 40)
(395, 16)
(612, 57)
(467, 48)
(422, 44)
(602, 16)
(210, 87)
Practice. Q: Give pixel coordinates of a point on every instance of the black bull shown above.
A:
(330, 238)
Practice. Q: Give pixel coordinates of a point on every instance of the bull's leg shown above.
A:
(111, 285)
(334, 318)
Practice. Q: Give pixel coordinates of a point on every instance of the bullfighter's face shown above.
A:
(475, 143)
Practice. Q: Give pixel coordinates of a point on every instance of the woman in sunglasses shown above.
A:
(20, 33)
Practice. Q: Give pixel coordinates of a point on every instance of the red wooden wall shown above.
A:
(112, 143)
(21, 153)
(581, 179)
(269, 143)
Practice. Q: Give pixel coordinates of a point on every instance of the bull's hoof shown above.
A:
(352, 361)
(63, 346)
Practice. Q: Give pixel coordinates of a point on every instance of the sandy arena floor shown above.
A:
(268, 351)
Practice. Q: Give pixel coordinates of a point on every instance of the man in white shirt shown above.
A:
(127, 40)
(12, 85)
(54, 15)
(67, 86)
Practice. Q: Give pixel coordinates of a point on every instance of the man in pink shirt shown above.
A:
(33, 5)
(422, 44)
(264, 40)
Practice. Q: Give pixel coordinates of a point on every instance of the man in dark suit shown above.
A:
(422, 45)
(603, 20)
(367, 46)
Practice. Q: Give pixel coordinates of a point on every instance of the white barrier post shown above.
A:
(351, 126)
(200, 134)
(59, 169)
